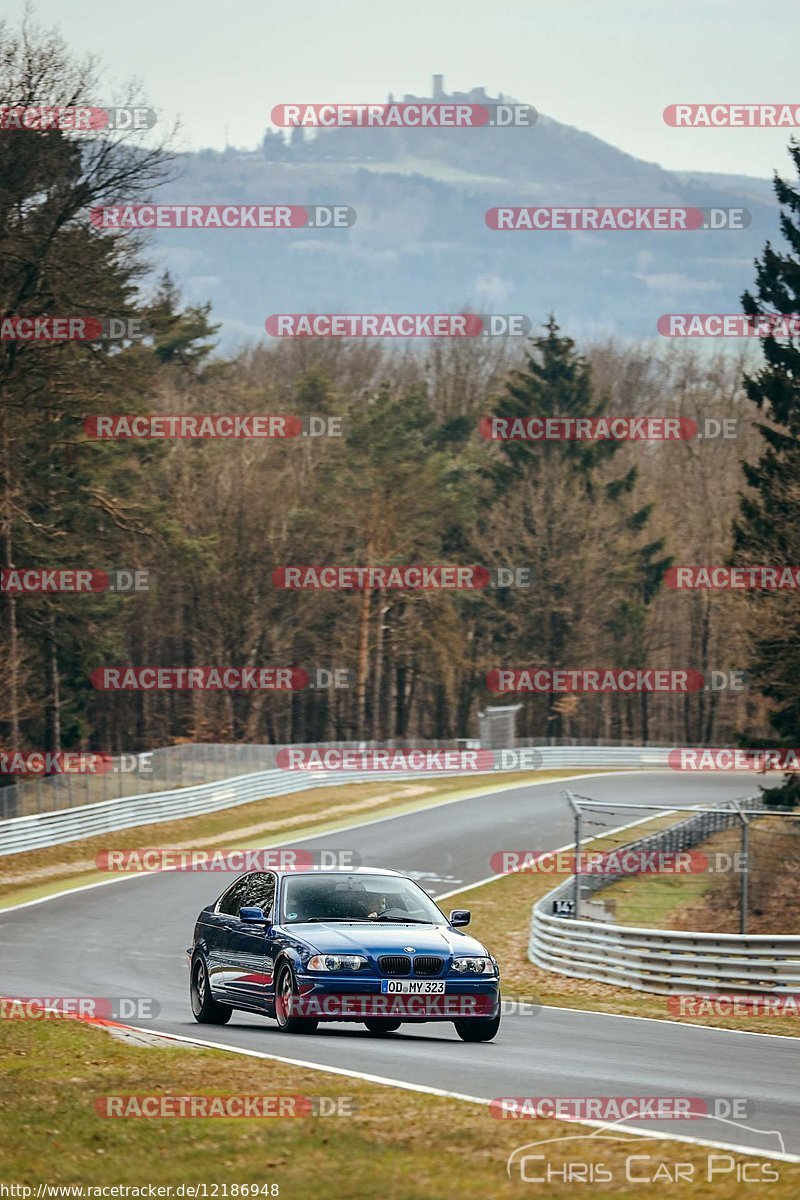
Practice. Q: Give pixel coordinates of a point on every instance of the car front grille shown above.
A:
(428, 964)
(395, 964)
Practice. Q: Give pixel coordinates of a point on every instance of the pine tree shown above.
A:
(768, 529)
(582, 599)
(61, 502)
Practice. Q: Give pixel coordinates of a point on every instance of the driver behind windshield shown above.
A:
(320, 899)
(353, 902)
(338, 902)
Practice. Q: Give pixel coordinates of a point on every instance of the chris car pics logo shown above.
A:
(599, 1158)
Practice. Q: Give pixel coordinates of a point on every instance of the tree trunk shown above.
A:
(55, 685)
(8, 563)
(363, 665)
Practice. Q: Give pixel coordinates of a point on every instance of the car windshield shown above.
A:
(384, 898)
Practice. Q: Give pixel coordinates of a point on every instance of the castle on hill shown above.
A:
(476, 95)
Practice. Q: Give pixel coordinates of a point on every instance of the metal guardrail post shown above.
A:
(745, 872)
(576, 892)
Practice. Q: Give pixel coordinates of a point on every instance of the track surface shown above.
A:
(129, 939)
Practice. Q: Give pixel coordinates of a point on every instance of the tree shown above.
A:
(273, 146)
(62, 502)
(768, 528)
(580, 525)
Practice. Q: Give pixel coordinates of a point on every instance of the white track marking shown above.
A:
(387, 1081)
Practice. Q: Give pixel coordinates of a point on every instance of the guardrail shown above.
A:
(662, 960)
(659, 960)
(192, 763)
(40, 829)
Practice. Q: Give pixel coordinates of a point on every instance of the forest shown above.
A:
(400, 472)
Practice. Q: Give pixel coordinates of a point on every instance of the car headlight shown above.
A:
(475, 964)
(337, 962)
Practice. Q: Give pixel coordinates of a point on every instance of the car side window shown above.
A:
(233, 899)
(260, 892)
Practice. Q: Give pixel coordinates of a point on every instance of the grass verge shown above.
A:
(399, 1145)
(710, 901)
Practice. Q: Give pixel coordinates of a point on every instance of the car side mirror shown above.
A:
(252, 916)
(460, 916)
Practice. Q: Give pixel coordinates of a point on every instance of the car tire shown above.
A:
(285, 994)
(477, 1030)
(205, 1008)
(382, 1025)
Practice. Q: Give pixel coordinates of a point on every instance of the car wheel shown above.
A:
(382, 1025)
(205, 1008)
(286, 1001)
(476, 1030)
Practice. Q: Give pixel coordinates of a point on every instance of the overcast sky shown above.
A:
(608, 68)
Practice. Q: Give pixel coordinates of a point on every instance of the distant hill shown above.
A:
(420, 242)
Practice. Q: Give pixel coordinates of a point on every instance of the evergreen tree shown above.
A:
(768, 528)
(64, 501)
(568, 495)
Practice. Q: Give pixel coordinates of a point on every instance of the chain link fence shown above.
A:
(574, 934)
(202, 762)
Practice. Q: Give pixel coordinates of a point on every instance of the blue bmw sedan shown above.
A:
(331, 945)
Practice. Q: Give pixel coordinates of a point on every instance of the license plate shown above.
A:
(413, 987)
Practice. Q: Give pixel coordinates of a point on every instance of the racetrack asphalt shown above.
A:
(129, 939)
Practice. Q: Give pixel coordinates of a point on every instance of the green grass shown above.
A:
(710, 901)
(654, 900)
(398, 1145)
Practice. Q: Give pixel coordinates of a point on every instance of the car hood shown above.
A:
(385, 938)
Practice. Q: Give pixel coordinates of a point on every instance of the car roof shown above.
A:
(342, 871)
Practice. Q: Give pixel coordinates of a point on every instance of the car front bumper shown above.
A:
(349, 998)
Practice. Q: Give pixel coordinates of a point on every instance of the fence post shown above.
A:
(745, 873)
(576, 887)
(744, 889)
